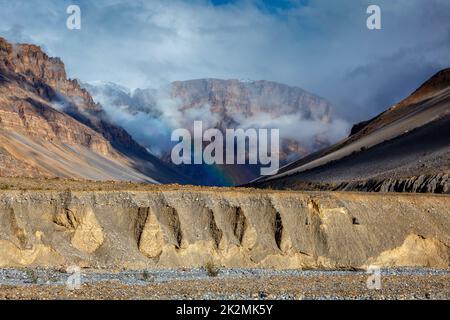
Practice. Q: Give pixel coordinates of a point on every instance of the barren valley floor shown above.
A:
(233, 284)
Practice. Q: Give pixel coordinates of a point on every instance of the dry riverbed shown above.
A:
(226, 284)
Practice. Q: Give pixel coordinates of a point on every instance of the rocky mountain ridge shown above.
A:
(45, 114)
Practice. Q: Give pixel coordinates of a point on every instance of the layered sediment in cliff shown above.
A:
(51, 127)
(32, 78)
(249, 228)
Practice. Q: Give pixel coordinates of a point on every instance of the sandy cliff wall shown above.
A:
(159, 229)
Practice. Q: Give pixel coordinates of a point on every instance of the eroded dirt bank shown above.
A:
(224, 227)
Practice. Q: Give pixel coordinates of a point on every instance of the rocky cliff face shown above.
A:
(235, 98)
(50, 126)
(28, 78)
(189, 228)
(45, 76)
(258, 104)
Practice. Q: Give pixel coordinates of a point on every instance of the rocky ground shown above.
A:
(226, 284)
(43, 184)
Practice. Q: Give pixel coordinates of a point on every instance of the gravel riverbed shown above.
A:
(226, 284)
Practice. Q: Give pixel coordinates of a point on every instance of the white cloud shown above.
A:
(314, 46)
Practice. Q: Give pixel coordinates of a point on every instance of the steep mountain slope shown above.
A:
(224, 104)
(406, 148)
(50, 126)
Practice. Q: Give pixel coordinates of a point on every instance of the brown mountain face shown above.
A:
(50, 126)
(405, 148)
(237, 103)
(248, 98)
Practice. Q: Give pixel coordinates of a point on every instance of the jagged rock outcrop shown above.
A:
(436, 183)
(28, 77)
(439, 183)
(248, 228)
(28, 67)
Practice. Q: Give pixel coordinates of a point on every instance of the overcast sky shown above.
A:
(322, 46)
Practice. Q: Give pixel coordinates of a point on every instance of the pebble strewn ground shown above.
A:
(228, 284)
